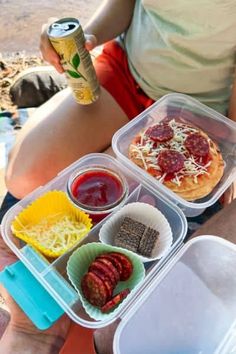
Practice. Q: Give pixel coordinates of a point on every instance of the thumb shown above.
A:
(90, 41)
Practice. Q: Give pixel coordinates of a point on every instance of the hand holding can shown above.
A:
(68, 40)
(48, 52)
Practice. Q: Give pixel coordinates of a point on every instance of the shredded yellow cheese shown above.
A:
(55, 233)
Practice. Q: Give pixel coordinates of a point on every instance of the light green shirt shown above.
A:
(185, 46)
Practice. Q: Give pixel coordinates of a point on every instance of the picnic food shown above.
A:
(149, 243)
(129, 234)
(103, 274)
(55, 232)
(137, 237)
(97, 190)
(111, 304)
(51, 224)
(180, 156)
(135, 221)
(86, 256)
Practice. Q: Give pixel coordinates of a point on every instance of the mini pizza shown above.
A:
(180, 156)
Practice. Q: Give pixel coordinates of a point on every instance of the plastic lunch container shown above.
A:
(189, 308)
(187, 110)
(188, 295)
(53, 275)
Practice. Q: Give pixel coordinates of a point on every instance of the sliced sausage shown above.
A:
(170, 161)
(94, 289)
(197, 145)
(160, 132)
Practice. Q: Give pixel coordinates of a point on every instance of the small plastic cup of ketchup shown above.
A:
(97, 190)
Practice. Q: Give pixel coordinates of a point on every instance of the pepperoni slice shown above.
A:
(160, 132)
(170, 161)
(127, 266)
(105, 270)
(197, 145)
(94, 289)
(112, 269)
(111, 304)
(114, 261)
(100, 270)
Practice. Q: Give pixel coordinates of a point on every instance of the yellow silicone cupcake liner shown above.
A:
(51, 224)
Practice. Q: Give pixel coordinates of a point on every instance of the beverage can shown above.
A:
(67, 37)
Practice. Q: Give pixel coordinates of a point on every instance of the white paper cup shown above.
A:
(145, 214)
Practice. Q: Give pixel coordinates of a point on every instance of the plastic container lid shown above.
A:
(187, 110)
(189, 308)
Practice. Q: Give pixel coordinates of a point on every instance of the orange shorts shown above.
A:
(114, 75)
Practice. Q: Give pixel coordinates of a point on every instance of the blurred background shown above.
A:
(21, 21)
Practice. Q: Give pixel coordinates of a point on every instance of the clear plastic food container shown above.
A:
(111, 191)
(186, 110)
(52, 275)
(189, 308)
(185, 304)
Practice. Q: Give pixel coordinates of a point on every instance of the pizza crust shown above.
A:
(189, 188)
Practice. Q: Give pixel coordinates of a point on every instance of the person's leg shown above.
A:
(194, 223)
(62, 131)
(221, 224)
(59, 133)
(103, 339)
(7, 203)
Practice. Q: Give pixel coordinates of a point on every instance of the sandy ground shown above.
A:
(21, 22)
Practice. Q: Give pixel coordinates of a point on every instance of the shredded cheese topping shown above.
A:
(148, 150)
(55, 233)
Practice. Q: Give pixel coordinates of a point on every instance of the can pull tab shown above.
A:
(63, 26)
(30, 295)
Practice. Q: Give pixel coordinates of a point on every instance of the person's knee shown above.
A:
(21, 181)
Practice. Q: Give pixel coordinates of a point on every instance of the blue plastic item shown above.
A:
(30, 295)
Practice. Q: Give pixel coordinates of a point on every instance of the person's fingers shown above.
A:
(104, 337)
(228, 196)
(17, 315)
(90, 42)
(48, 52)
(7, 257)
(4, 320)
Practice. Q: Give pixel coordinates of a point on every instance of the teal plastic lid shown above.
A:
(30, 295)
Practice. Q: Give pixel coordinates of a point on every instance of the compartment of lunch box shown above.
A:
(189, 307)
(75, 309)
(52, 275)
(60, 183)
(187, 110)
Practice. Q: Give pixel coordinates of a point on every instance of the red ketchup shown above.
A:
(97, 191)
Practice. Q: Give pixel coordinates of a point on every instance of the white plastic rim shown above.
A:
(145, 214)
